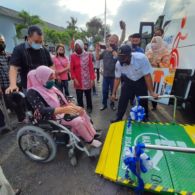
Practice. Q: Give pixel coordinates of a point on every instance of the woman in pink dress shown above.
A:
(62, 68)
(82, 72)
(49, 103)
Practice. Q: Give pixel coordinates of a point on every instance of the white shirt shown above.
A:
(139, 67)
(97, 62)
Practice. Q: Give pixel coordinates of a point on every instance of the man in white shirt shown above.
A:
(135, 69)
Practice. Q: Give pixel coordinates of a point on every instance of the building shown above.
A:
(8, 20)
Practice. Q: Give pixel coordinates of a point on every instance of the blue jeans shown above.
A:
(64, 87)
(108, 83)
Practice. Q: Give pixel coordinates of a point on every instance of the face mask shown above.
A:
(49, 84)
(61, 54)
(2, 47)
(134, 45)
(154, 46)
(36, 46)
(123, 62)
(113, 46)
(79, 51)
(115, 57)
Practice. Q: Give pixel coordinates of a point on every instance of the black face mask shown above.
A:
(78, 51)
(135, 45)
(61, 54)
(114, 47)
(2, 47)
(123, 61)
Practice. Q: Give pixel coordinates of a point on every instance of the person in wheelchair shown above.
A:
(49, 103)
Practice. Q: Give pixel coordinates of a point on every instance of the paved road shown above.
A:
(59, 177)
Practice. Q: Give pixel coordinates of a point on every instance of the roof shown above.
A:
(14, 14)
(9, 12)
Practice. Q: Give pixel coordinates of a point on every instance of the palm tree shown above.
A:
(72, 23)
(28, 20)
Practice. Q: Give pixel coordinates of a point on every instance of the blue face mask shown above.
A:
(50, 84)
(36, 46)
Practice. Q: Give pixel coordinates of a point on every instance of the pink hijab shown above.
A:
(36, 80)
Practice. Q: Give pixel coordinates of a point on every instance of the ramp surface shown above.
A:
(172, 173)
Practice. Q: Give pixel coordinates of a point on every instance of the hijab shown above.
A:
(158, 50)
(37, 79)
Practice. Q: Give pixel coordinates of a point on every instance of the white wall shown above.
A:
(7, 29)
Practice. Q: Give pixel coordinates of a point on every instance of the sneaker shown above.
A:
(17, 191)
(98, 135)
(96, 143)
(95, 94)
(103, 108)
(4, 130)
(24, 121)
(112, 106)
(146, 119)
(89, 110)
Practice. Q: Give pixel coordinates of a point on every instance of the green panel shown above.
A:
(181, 165)
(147, 133)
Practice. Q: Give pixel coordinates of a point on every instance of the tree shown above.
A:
(54, 37)
(28, 20)
(94, 26)
(95, 29)
(72, 23)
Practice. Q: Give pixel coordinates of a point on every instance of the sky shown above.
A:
(59, 11)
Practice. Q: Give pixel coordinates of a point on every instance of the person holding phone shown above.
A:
(109, 57)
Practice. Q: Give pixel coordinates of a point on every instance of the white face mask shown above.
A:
(154, 46)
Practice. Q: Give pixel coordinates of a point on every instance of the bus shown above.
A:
(177, 21)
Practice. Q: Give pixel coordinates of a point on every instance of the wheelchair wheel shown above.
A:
(36, 144)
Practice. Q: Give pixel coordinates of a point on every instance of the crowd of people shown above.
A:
(44, 78)
(121, 61)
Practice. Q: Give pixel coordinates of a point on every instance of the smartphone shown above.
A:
(102, 45)
(122, 24)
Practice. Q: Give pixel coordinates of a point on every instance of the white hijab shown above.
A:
(80, 43)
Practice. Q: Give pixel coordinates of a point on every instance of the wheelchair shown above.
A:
(38, 140)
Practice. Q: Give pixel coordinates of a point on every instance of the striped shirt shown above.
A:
(4, 69)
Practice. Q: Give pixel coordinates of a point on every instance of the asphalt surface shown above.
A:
(59, 177)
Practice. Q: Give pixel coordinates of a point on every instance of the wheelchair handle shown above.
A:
(165, 96)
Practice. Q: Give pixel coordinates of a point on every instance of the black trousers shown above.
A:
(64, 87)
(98, 73)
(19, 105)
(154, 104)
(87, 93)
(129, 90)
(2, 119)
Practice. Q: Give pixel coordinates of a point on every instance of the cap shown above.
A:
(135, 35)
(124, 50)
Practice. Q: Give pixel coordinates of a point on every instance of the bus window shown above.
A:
(159, 22)
(146, 31)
